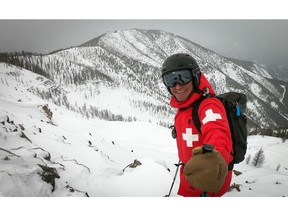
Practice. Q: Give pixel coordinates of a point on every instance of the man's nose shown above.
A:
(178, 86)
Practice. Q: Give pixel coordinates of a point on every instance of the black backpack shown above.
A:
(235, 106)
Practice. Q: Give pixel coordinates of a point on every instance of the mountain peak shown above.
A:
(118, 73)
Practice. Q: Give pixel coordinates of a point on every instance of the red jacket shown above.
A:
(215, 131)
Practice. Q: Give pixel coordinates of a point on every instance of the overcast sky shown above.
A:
(264, 41)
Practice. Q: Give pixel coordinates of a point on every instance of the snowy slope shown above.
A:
(265, 181)
(91, 157)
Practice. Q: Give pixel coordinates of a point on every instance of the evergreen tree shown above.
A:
(278, 167)
(259, 158)
(248, 159)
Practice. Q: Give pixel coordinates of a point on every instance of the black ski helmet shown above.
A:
(182, 61)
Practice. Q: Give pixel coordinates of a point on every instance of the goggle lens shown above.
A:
(181, 77)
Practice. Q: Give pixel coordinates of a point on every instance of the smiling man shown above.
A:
(204, 155)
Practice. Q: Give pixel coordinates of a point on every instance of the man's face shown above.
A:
(182, 92)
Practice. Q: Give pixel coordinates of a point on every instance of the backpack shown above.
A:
(235, 106)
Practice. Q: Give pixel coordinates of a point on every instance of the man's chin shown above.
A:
(180, 98)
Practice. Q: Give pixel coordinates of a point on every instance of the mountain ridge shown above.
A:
(130, 61)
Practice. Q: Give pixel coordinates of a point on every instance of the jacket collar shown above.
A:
(194, 96)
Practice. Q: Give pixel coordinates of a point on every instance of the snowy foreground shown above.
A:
(47, 151)
(92, 157)
(96, 158)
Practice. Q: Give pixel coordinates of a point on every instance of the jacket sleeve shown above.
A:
(215, 127)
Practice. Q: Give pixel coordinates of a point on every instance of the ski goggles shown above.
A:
(181, 77)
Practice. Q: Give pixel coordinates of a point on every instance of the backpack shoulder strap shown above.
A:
(196, 104)
(195, 116)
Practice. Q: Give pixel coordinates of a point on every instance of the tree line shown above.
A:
(279, 132)
(15, 59)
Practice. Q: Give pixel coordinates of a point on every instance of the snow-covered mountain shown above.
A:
(55, 140)
(49, 151)
(116, 76)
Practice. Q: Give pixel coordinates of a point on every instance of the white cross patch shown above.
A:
(210, 116)
(190, 137)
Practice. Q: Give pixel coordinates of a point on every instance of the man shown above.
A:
(205, 154)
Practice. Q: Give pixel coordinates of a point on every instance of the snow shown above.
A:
(261, 71)
(284, 92)
(92, 157)
(113, 146)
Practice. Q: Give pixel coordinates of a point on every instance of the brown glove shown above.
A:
(206, 172)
